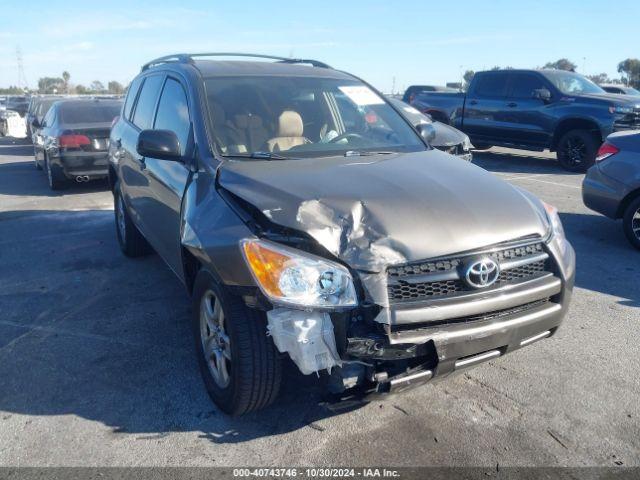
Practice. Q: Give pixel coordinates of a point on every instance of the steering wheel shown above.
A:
(346, 136)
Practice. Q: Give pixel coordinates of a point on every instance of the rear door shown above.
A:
(485, 105)
(529, 119)
(166, 180)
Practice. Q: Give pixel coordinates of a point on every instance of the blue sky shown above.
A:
(413, 41)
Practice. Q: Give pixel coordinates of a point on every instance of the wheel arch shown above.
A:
(574, 123)
(631, 196)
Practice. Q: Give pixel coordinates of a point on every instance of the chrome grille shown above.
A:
(441, 278)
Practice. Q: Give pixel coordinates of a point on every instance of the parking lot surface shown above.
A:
(97, 366)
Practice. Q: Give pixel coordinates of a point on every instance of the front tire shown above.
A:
(131, 241)
(631, 223)
(577, 150)
(238, 362)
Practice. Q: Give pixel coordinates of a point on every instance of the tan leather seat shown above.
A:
(290, 132)
(252, 129)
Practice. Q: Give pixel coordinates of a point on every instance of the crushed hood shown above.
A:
(376, 211)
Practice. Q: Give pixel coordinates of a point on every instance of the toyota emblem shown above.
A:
(482, 273)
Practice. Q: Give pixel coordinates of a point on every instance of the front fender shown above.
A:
(211, 231)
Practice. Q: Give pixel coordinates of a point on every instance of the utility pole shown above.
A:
(393, 86)
(22, 79)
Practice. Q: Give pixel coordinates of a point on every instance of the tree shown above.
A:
(600, 78)
(65, 77)
(12, 90)
(468, 75)
(562, 64)
(630, 68)
(97, 86)
(50, 84)
(81, 89)
(115, 87)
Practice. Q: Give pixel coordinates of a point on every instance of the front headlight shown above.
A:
(620, 109)
(554, 220)
(291, 277)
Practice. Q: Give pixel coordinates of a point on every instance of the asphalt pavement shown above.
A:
(97, 366)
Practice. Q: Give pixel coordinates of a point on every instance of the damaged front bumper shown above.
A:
(389, 348)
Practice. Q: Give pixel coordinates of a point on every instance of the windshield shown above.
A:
(303, 117)
(571, 83)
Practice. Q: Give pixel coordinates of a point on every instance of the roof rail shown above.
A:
(188, 58)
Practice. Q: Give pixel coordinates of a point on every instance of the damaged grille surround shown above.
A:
(440, 278)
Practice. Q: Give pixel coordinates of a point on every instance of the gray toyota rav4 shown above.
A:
(307, 218)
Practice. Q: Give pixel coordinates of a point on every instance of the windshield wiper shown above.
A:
(268, 156)
(260, 156)
(356, 153)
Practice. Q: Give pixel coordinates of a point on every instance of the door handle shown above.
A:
(473, 102)
(512, 104)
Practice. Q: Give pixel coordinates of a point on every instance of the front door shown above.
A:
(166, 180)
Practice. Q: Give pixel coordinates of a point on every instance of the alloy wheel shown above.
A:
(574, 151)
(215, 341)
(635, 224)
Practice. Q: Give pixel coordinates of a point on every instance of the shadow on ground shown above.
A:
(600, 244)
(85, 331)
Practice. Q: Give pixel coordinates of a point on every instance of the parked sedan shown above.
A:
(612, 185)
(38, 108)
(448, 139)
(73, 139)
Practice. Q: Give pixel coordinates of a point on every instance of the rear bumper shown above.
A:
(601, 193)
(93, 165)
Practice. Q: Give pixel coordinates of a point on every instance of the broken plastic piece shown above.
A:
(307, 336)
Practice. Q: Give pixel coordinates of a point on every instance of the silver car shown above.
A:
(307, 218)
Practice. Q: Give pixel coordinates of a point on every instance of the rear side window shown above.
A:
(49, 117)
(89, 112)
(523, 85)
(173, 112)
(131, 97)
(492, 85)
(143, 114)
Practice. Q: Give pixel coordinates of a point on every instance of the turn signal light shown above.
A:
(605, 151)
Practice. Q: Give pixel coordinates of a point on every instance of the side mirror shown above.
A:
(542, 94)
(427, 132)
(160, 144)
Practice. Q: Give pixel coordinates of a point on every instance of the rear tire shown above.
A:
(35, 160)
(248, 359)
(631, 223)
(131, 241)
(55, 177)
(577, 150)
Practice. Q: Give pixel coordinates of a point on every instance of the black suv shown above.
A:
(306, 216)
